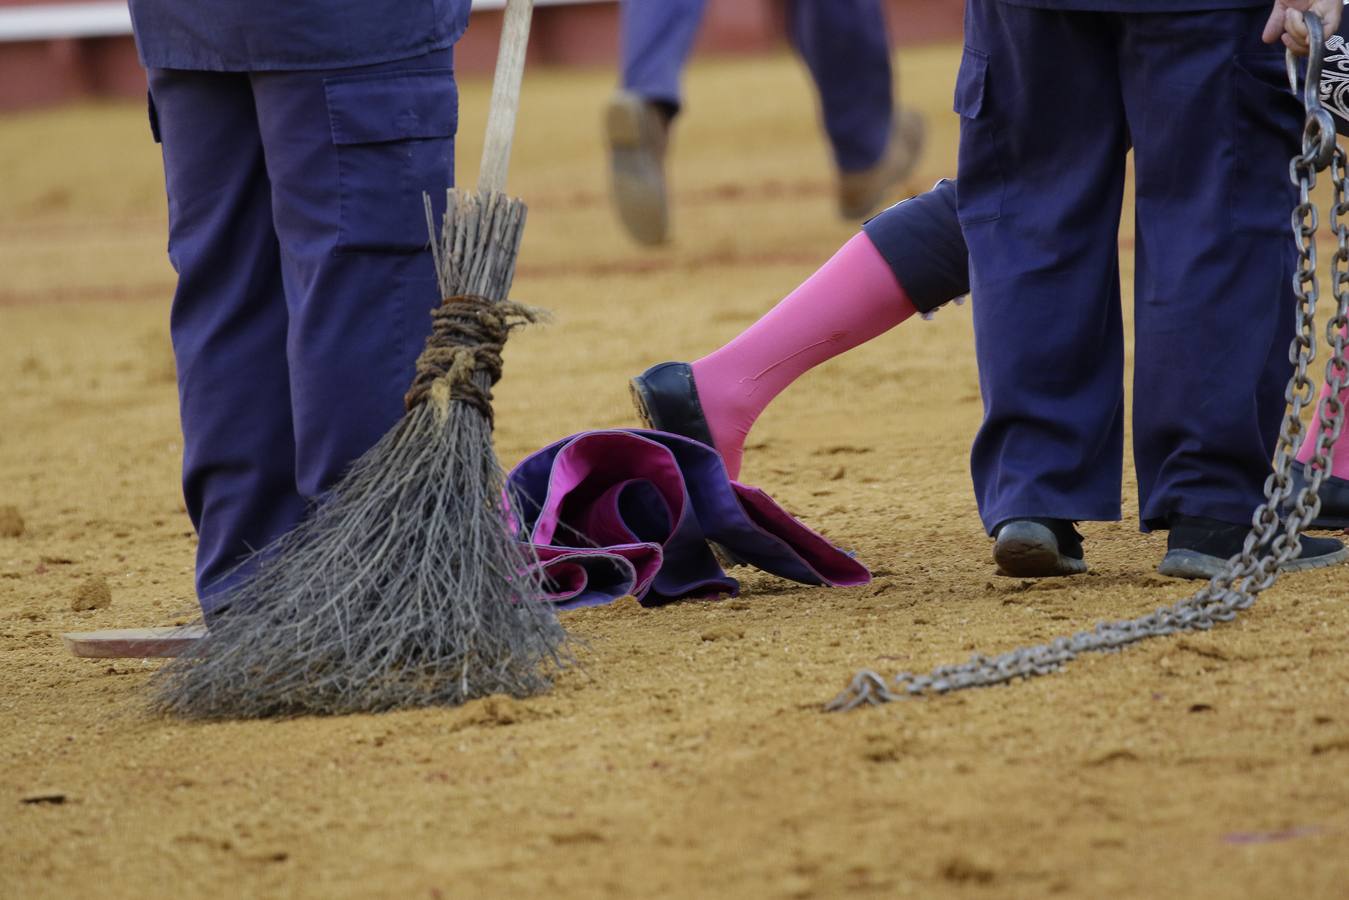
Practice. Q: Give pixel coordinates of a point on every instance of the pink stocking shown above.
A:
(1339, 461)
(851, 299)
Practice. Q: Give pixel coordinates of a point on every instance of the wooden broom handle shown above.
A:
(496, 150)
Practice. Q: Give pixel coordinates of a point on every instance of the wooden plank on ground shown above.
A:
(133, 643)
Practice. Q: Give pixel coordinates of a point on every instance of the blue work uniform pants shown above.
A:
(1050, 103)
(304, 283)
(843, 43)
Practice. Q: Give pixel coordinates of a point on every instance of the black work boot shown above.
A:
(1199, 547)
(1038, 548)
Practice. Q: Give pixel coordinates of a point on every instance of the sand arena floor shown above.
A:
(690, 756)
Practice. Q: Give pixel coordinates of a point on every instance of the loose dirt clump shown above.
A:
(93, 593)
(11, 522)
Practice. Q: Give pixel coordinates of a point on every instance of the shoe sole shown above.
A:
(637, 170)
(1030, 550)
(637, 391)
(1195, 565)
(911, 136)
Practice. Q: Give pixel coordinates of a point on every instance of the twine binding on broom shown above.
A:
(463, 351)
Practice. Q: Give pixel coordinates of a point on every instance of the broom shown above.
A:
(407, 586)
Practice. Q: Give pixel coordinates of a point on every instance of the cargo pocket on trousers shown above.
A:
(979, 185)
(394, 138)
(1267, 134)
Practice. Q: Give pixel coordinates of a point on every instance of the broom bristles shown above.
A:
(406, 586)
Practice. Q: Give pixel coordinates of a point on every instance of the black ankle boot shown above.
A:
(1038, 548)
(1199, 547)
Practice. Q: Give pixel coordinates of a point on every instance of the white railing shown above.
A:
(51, 21)
(63, 20)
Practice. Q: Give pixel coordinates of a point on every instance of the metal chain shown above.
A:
(1273, 538)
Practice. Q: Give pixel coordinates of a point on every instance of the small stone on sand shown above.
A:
(11, 522)
(93, 593)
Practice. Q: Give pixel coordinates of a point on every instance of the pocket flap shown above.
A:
(969, 101)
(382, 107)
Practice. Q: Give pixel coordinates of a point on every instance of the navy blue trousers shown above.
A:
(304, 283)
(1050, 103)
(921, 238)
(843, 43)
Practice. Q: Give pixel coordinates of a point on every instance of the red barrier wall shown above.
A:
(40, 73)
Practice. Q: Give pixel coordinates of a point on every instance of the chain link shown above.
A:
(1275, 524)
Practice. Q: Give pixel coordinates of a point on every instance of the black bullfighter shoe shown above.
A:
(666, 399)
(1198, 547)
(1038, 548)
(1334, 515)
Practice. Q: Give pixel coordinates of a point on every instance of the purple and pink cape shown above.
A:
(633, 512)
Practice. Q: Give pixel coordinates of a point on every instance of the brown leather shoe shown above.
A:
(637, 132)
(861, 193)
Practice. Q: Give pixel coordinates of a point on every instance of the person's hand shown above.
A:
(1286, 22)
